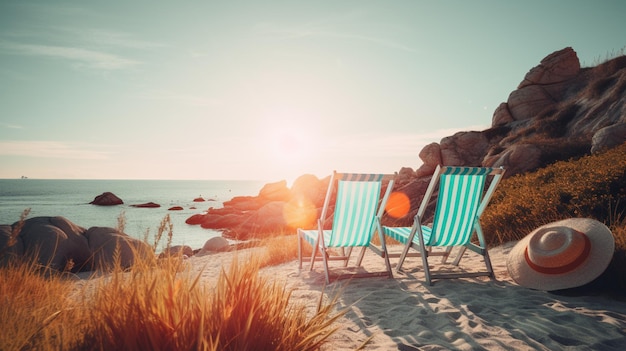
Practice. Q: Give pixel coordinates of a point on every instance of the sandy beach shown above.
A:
(461, 314)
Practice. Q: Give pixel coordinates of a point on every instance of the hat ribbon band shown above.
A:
(561, 269)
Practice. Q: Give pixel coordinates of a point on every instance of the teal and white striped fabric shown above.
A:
(460, 195)
(355, 210)
(401, 234)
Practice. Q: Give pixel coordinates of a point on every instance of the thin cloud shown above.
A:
(318, 29)
(52, 149)
(12, 126)
(374, 40)
(304, 33)
(91, 58)
(186, 99)
(113, 39)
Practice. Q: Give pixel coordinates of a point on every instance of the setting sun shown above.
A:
(288, 145)
(291, 150)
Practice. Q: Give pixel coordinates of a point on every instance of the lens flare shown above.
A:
(300, 213)
(398, 205)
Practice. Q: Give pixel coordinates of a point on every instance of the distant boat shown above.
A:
(24, 177)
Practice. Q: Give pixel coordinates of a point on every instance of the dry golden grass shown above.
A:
(160, 307)
(157, 309)
(33, 308)
(280, 249)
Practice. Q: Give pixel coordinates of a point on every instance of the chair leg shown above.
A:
(313, 256)
(488, 264)
(403, 255)
(415, 230)
(445, 256)
(326, 272)
(314, 249)
(459, 256)
(300, 251)
(424, 255)
(347, 256)
(361, 255)
(388, 263)
(384, 253)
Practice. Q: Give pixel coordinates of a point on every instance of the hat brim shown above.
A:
(602, 248)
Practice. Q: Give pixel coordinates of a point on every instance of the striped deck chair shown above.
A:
(358, 208)
(460, 202)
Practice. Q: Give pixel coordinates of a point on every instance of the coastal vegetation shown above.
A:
(592, 186)
(162, 307)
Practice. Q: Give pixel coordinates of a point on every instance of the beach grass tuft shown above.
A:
(159, 307)
(30, 313)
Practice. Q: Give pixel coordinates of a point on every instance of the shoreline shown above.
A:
(463, 314)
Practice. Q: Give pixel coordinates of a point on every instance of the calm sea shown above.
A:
(70, 199)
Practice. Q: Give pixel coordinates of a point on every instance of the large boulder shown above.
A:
(431, 158)
(59, 244)
(310, 189)
(56, 243)
(519, 158)
(267, 220)
(109, 247)
(464, 149)
(527, 102)
(107, 199)
(502, 115)
(277, 191)
(245, 203)
(215, 244)
(542, 87)
(608, 137)
(177, 250)
(558, 67)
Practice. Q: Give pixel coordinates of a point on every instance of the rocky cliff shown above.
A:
(558, 111)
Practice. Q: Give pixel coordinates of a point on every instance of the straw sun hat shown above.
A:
(561, 255)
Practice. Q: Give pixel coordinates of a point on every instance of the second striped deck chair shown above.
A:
(460, 202)
(358, 208)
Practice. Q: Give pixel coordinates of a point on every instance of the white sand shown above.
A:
(460, 314)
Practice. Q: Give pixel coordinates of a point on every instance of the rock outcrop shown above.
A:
(59, 244)
(146, 205)
(216, 244)
(107, 199)
(558, 111)
(276, 209)
(177, 250)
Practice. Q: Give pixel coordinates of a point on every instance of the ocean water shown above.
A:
(70, 199)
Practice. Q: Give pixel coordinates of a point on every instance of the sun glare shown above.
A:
(291, 151)
(288, 145)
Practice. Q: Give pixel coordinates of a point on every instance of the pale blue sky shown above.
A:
(266, 89)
